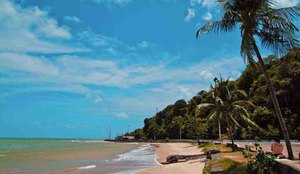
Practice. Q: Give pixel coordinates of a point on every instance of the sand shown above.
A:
(188, 167)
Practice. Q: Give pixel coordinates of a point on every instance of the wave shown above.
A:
(86, 167)
(144, 154)
(89, 141)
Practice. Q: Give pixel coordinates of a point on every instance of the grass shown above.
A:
(226, 164)
(231, 162)
(207, 167)
(209, 146)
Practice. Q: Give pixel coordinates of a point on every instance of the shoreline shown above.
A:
(162, 150)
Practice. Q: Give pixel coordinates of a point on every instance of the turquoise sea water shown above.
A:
(43, 156)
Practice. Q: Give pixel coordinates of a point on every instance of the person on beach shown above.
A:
(277, 147)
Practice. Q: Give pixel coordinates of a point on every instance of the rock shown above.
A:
(173, 158)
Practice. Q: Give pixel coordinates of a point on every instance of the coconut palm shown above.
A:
(259, 20)
(178, 122)
(227, 104)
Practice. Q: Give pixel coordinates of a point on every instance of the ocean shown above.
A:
(65, 156)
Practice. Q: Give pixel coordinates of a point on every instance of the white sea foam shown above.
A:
(139, 159)
(87, 167)
(134, 171)
(143, 153)
(89, 141)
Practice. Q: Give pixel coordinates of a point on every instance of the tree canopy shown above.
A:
(284, 73)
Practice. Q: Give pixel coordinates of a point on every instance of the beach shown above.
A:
(162, 150)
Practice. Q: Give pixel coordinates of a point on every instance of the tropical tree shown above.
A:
(196, 127)
(178, 122)
(227, 104)
(259, 20)
(153, 129)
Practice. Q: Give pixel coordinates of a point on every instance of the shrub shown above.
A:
(261, 163)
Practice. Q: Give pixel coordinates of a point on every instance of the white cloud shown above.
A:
(206, 74)
(34, 65)
(83, 75)
(88, 71)
(163, 94)
(190, 15)
(156, 90)
(287, 3)
(100, 40)
(122, 115)
(111, 44)
(31, 30)
(195, 2)
(116, 2)
(186, 91)
(72, 19)
(68, 126)
(203, 3)
(207, 16)
(35, 123)
(143, 44)
(208, 3)
(98, 100)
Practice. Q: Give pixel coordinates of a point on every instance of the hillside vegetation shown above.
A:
(184, 119)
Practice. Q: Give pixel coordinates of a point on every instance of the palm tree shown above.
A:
(227, 104)
(178, 121)
(259, 20)
(153, 129)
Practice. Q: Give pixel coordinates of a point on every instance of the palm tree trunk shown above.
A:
(230, 133)
(180, 132)
(275, 103)
(219, 124)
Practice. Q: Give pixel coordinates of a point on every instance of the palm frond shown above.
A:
(288, 12)
(205, 105)
(240, 93)
(278, 40)
(235, 122)
(225, 4)
(248, 121)
(218, 101)
(240, 110)
(216, 27)
(243, 103)
(212, 116)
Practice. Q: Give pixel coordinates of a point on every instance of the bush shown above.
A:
(261, 163)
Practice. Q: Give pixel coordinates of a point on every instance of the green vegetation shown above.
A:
(224, 162)
(229, 104)
(259, 20)
(227, 164)
(261, 163)
(207, 167)
(284, 73)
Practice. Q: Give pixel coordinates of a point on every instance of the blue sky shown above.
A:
(73, 68)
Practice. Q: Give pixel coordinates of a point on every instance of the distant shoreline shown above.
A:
(190, 141)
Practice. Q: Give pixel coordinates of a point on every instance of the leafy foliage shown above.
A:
(284, 72)
(261, 163)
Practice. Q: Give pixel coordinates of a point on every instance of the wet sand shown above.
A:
(194, 166)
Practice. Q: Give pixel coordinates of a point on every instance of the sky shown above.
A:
(76, 68)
